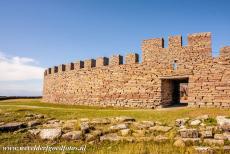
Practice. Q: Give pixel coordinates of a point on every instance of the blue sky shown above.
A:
(51, 32)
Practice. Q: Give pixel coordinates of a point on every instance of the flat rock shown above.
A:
(100, 121)
(220, 137)
(214, 142)
(119, 126)
(110, 137)
(223, 122)
(181, 122)
(39, 116)
(143, 124)
(124, 119)
(161, 138)
(203, 150)
(33, 123)
(195, 122)
(12, 126)
(50, 134)
(148, 123)
(160, 128)
(188, 133)
(53, 121)
(73, 135)
(53, 124)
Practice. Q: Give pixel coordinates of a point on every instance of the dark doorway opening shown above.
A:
(174, 91)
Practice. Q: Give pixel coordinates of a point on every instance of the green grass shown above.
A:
(16, 110)
(210, 121)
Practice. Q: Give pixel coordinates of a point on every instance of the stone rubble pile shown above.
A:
(203, 132)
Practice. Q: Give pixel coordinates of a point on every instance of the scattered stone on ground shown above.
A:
(214, 142)
(100, 121)
(188, 133)
(50, 134)
(195, 122)
(73, 135)
(207, 133)
(119, 126)
(13, 126)
(53, 124)
(181, 122)
(161, 138)
(33, 123)
(124, 119)
(204, 150)
(223, 122)
(220, 137)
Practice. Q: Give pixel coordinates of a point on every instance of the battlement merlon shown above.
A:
(225, 52)
(89, 63)
(116, 60)
(202, 40)
(102, 61)
(175, 41)
(54, 70)
(78, 65)
(132, 58)
(69, 66)
(61, 68)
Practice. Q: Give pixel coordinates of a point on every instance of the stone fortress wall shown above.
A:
(149, 84)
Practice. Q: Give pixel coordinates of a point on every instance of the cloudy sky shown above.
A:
(20, 76)
(37, 34)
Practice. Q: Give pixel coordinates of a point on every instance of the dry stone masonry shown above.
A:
(152, 83)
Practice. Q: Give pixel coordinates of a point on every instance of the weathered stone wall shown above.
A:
(112, 82)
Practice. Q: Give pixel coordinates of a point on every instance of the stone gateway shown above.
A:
(155, 82)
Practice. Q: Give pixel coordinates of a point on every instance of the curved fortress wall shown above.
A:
(150, 84)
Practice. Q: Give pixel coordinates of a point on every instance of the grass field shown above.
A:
(16, 110)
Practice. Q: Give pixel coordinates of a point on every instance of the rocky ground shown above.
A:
(204, 133)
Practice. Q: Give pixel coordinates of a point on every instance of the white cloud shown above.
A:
(21, 88)
(20, 76)
(19, 68)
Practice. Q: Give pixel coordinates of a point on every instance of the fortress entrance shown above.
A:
(174, 91)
